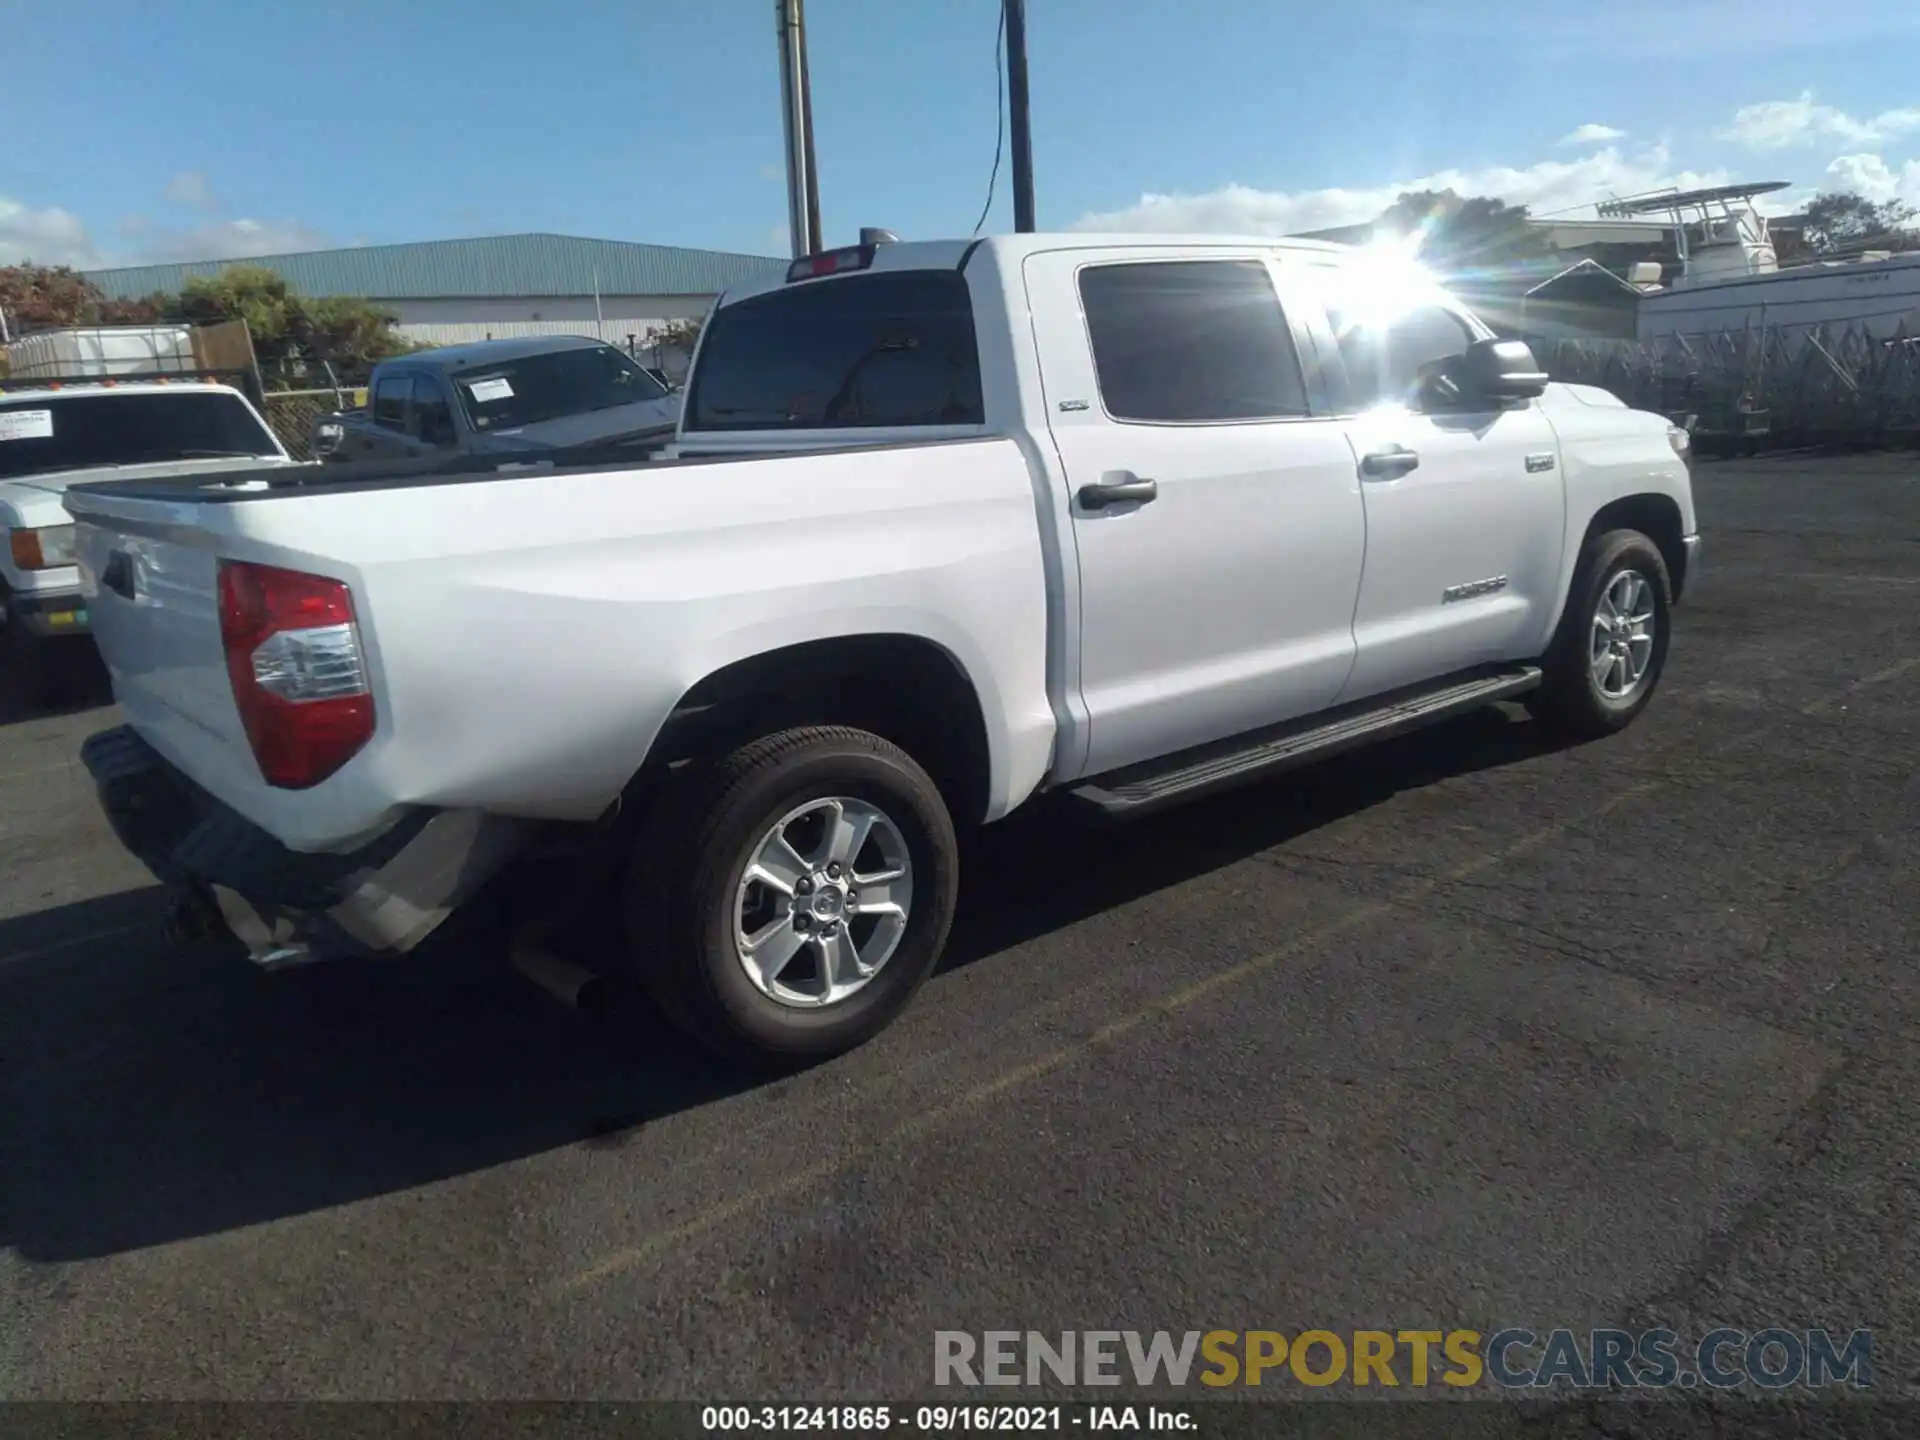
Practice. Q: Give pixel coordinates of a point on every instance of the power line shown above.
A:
(999, 112)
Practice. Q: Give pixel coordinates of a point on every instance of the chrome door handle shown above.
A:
(1118, 492)
(1389, 463)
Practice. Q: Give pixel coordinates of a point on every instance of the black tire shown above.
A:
(25, 673)
(1571, 701)
(692, 855)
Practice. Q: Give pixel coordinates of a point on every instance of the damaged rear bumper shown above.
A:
(286, 906)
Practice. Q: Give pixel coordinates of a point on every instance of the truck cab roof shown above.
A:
(479, 353)
(1011, 249)
(21, 393)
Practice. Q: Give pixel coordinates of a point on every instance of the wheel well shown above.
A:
(904, 688)
(1655, 516)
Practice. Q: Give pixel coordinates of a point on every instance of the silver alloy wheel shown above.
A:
(1621, 647)
(823, 902)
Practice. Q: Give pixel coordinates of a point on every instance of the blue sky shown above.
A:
(205, 128)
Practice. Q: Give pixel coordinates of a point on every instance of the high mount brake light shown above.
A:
(830, 262)
(294, 659)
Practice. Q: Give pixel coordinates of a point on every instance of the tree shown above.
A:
(46, 297)
(144, 310)
(351, 334)
(290, 331)
(243, 292)
(677, 335)
(1842, 220)
(1457, 234)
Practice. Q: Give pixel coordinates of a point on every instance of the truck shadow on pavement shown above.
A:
(75, 678)
(158, 1093)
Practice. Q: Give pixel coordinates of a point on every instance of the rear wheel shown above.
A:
(785, 905)
(1611, 646)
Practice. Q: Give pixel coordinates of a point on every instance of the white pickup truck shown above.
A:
(55, 437)
(947, 526)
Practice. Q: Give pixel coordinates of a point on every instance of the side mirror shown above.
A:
(1498, 370)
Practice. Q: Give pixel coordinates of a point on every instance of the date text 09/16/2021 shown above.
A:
(942, 1419)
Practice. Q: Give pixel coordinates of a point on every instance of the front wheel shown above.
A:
(1612, 642)
(785, 906)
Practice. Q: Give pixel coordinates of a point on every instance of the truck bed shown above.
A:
(525, 641)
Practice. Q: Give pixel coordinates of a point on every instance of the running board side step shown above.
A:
(1139, 789)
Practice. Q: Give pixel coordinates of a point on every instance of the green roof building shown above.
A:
(447, 292)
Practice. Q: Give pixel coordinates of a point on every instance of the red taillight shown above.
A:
(293, 655)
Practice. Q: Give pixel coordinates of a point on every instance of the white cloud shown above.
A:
(1776, 124)
(53, 236)
(191, 189)
(1551, 187)
(1558, 30)
(50, 236)
(1872, 178)
(772, 172)
(1592, 135)
(230, 240)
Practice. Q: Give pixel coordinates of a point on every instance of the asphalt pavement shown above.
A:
(1462, 1032)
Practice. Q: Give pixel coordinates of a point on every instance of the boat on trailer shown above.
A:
(1731, 278)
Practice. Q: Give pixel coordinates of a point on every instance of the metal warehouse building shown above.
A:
(445, 292)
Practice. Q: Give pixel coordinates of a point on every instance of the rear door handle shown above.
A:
(1132, 491)
(1389, 463)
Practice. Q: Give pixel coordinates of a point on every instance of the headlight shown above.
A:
(1681, 441)
(45, 549)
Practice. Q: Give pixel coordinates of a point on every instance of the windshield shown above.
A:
(77, 432)
(537, 388)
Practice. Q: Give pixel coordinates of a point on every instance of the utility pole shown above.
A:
(1017, 117)
(803, 195)
(814, 244)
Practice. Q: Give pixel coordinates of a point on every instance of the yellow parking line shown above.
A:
(1879, 677)
(40, 770)
(912, 1129)
(1893, 671)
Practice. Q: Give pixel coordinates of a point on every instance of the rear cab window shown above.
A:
(81, 431)
(875, 349)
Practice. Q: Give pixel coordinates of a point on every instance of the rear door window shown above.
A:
(1191, 341)
(432, 416)
(390, 401)
(876, 349)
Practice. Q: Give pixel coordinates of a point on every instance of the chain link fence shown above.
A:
(291, 413)
(1753, 389)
